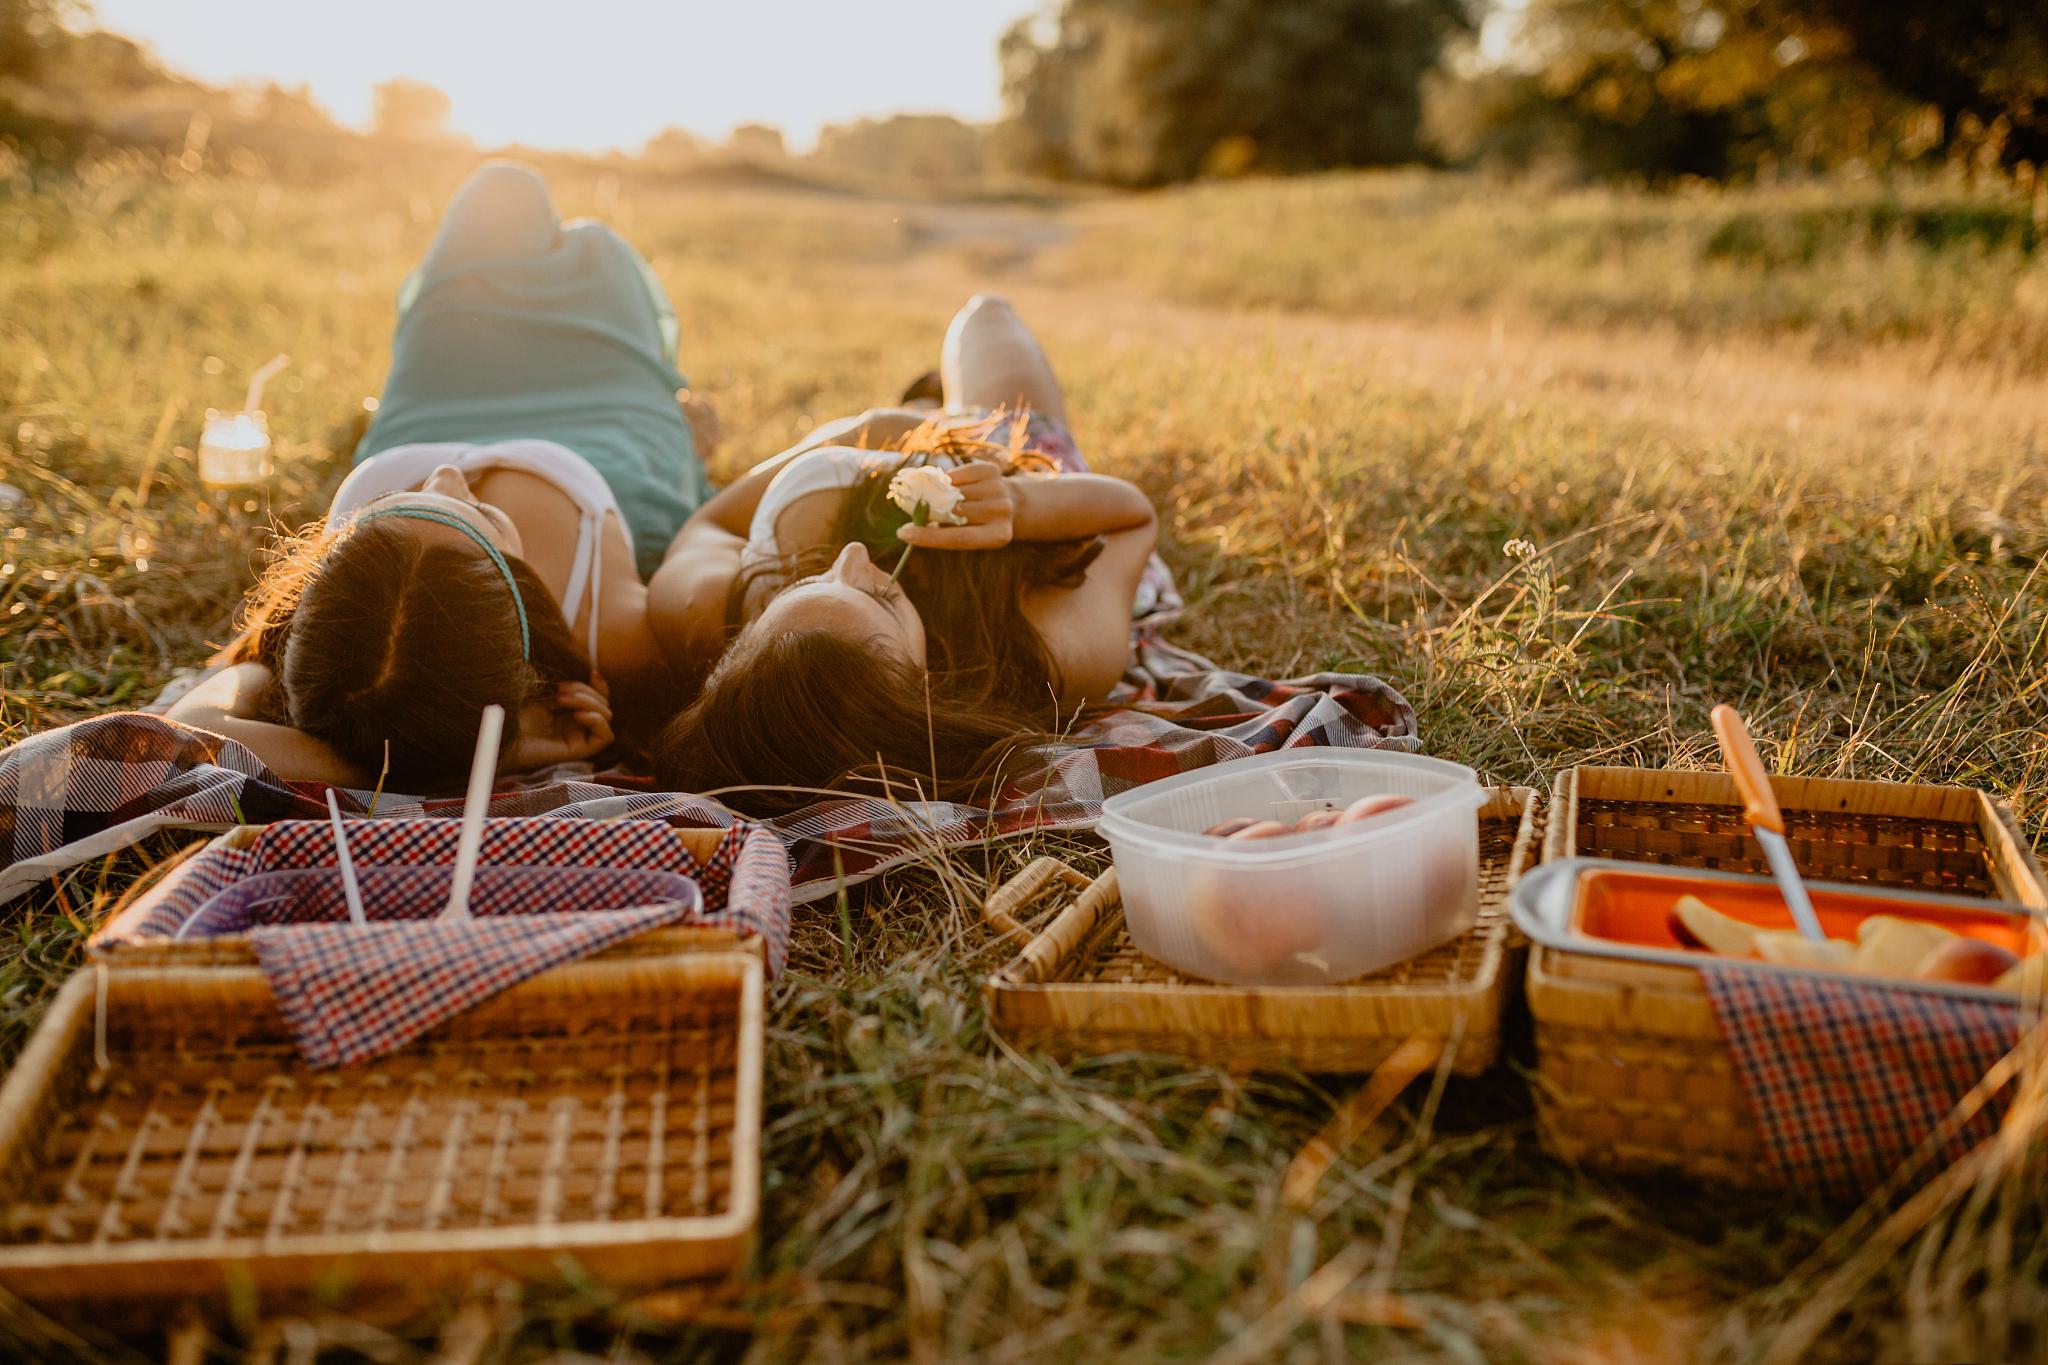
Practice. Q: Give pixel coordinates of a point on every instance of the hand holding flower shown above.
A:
(976, 511)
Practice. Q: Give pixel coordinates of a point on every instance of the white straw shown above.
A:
(482, 768)
(348, 864)
(262, 377)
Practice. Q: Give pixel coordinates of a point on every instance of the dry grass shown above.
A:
(1868, 585)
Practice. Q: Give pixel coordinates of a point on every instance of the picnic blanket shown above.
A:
(85, 790)
(1847, 1078)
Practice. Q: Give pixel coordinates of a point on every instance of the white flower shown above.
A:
(1519, 549)
(928, 487)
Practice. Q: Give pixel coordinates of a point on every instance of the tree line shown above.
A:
(1143, 92)
(1146, 92)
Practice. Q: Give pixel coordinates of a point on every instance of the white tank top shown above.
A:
(407, 467)
(826, 469)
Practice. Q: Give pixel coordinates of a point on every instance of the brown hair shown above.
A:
(811, 709)
(787, 714)
(374, 636)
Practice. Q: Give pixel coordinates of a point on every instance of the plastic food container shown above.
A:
(1302, 909)
(1621, 912)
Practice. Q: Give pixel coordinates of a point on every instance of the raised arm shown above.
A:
(1059, 507)
(227, 704)
(686, 597)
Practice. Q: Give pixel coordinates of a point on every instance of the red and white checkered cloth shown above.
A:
(1847, 1076)
(350, 992)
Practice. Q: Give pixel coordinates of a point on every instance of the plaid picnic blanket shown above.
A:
(1848, 1077)
(85, 790)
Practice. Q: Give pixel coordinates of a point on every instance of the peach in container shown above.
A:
(1917, 940)
(1299, 898)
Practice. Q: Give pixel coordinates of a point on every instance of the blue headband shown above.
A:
(450, 519)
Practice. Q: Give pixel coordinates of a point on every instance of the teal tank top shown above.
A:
(516, 326)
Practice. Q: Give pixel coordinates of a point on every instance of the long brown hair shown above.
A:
(375, 638)
(811, 709)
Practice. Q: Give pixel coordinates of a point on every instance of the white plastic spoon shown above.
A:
(349, 888)
(483, 766)
(1766, 820)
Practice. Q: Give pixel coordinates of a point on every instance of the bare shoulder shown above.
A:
(806, 522)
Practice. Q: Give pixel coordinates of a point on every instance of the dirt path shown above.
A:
(1899, 403)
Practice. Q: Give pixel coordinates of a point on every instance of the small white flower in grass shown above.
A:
(928, 495)
(1519, 549)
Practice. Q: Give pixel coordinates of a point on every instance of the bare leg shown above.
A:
(991, 360)
(501, 211)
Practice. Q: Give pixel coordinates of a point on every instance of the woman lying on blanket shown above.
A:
(856, 651)
(528, 464)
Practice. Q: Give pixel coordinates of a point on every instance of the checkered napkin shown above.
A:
(1175, 712)
(745, 881)
(1848, 1077)
(351, 992)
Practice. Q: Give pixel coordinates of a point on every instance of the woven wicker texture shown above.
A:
(1633, 1070)
(598, 1116)
(1891, 850)
(1081, 988)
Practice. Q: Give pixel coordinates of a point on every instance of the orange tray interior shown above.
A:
(1635, 907)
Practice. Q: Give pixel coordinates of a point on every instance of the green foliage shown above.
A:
(1663, 88)
(1984, 66)
(1144, 92)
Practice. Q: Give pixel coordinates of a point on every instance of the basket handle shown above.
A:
(1002, 905)
(1746, 766)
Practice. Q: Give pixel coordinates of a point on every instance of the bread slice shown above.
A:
(1797, 950)
(1889, 946)
(1699, 925)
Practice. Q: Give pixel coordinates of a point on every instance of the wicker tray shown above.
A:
(1081, 988)
(1632, 1068)
(113, 942)
(160, 1139)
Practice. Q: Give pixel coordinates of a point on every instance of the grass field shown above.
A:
(1787, 450)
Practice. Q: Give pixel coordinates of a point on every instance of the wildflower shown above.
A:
(1519, 548)
(928, 495)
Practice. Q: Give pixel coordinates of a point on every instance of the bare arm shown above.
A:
(733, 506)
(1062, 507)
(226, 704)
(1088, 628)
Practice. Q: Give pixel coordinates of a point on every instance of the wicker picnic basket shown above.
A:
(1081, 988)
(113, 942)
(1633, 1071)
(161, 1139)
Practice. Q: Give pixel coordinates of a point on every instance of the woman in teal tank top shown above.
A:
(518, 326)
(375, 640)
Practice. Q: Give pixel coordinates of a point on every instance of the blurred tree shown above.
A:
(756, 142)
(675, 147)
(1141, 92)
(1983, 66)
(407, 110)
(1675, 88)
(916, 146)
(30, 32)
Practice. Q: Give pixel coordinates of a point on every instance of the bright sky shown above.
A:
(593, 74)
